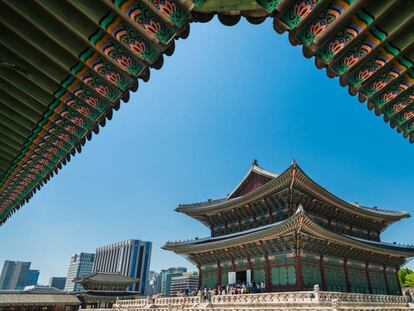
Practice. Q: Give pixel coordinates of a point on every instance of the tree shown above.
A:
(406, 277)
(409, 280)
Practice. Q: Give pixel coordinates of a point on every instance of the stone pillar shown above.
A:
(368, 278)
(322, 268)
(298, 268)
(268, 274)
(347, 283)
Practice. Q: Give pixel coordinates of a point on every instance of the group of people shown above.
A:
(229, 289)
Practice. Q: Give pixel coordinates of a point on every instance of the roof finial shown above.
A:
(254, 163)
(293, 162)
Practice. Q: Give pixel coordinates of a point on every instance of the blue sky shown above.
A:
(227, 96)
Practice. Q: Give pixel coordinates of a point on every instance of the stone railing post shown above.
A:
(335, 304)
(316, 292)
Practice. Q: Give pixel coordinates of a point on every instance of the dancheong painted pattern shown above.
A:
(66, 65)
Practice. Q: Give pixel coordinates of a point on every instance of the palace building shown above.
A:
(288, 232)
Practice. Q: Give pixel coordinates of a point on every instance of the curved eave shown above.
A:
(305, 181)
(64, 68)
(299, 221)
(294, 176)
(368, 45)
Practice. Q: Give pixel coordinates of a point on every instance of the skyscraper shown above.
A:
(80, 265)
(14, 274)
(131, 258)
(57, 282)
(166, 276)
(33, 277)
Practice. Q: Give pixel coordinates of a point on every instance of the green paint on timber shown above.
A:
(228, 5)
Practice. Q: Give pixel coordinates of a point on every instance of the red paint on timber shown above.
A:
(347, 283)
(199, 277)
(299, 278)
(267, 274)
(270, 217)
(398, 281)
(386, 280)
(368, 278)
(322, 268)
(251, 183)
(219, 274)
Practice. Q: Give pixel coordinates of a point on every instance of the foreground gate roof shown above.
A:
(66, 65)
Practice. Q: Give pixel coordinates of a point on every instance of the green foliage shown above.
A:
(406, 277)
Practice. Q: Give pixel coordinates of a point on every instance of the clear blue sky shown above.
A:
(227, 96)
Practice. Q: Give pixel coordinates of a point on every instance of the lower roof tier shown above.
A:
(295, 234)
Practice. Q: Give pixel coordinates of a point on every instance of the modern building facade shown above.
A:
(130, 258)
(166, 276)
(80, 265)
(14, 274)
(33, 277)
(57, 282)
(154, 283)
(185, 283)
(291, 234)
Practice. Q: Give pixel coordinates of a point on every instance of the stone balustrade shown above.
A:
(284, 301)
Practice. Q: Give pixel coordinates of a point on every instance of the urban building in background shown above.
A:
(33, 277)
(57, 282)
(80, 265)
(154, 283)
(166, 276)
(185, 283)
(14, 274)
(130, 258)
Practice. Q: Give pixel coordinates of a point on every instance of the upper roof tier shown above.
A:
(259, 184)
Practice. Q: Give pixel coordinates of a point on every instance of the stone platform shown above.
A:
(300, 301)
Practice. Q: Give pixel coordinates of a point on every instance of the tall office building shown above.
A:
(33, 277)
(14, 274)
(131, 258)
(186, 282)
(57, 282)
(166, 276)
(80, 265)
(154, 283)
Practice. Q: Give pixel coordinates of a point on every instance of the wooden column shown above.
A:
(226, 226)
(386, 280)
(322, 268)
(368, 278)
(240, 225)
(268, 275)
(199, 276)
(398, 281)
(218, 274)
(299, 277)
(270, 217)
(347, 283)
